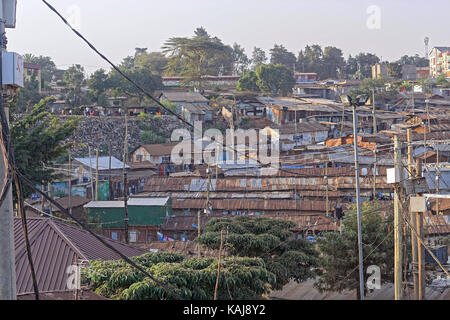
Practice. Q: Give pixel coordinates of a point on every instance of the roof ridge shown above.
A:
(53, 225)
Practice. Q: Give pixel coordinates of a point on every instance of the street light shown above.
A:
(359, 101)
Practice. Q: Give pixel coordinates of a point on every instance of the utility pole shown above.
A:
(198, 233)
(96, 176)
(375, 154)
(125, 180)
(208, 186)
(90, 173)
(412, 218)
(358, 202)
(125, 201)
(219, 265)
(109, 175)
(70, 185)
(397, 225)
(438, 176)
(374, 117)
(326, 190)
(7, 252)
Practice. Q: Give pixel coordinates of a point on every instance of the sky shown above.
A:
(387, 28)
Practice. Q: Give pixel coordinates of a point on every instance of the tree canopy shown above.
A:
(275, 79)
(39, 138)
(339, 257)
(191, 278)
(268, 239)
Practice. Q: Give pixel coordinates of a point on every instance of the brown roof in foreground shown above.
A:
(56, 246)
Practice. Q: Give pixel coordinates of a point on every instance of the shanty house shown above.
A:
(145, 216)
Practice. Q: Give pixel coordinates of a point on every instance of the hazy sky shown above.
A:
(116, 27)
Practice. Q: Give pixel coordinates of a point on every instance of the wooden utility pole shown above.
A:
(198, 233)
(438, 176)
(90, 173)
(420, 256)
(49, 193)
(125, 200)
(397, 224)
(109, 173)
(219, 264)
(96, 175)
(70, 184)
(374, 117)
(208, 186)
(375, 154)
(326, 190)
(412, 218)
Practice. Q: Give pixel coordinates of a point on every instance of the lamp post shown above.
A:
(360, 101)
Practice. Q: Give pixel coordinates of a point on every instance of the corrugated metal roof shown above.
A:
(54, 247)
(130, 202)
(103, 163)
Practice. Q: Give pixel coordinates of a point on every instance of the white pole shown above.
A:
(7, 253)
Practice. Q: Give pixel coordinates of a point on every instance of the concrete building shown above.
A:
(440, 62)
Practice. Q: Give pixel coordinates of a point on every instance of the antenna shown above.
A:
(426, 41)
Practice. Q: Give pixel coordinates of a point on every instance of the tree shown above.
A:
(75, 80)
(192, 279)
(361, 65)
(142, 76)
(38, 139)
(333, 63)
(248, 82)
(240, 59)
(28, 95)
(339, 255)
(258, 58)
(268, 239)
(98, 84)
(313, 56)
(441, 80)
(275, 79)
(280, 55)
(194, 58)
(156, 62)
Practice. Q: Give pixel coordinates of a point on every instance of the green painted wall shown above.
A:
(138, 215)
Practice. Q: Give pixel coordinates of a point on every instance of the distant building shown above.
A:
(380, 70)
(146, 215)
(31, 70)
(422, 73)
(409, 72)
(301, 78)
(440, 62)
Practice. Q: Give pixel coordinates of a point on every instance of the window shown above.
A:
(114, 235)
(187, 212)
(165, 159)
(139, 158)
(133, 236)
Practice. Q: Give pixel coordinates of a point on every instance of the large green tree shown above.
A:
(248, 82)
(275, 79)
(258, 57)
(75, 80)
(38, 139)
(339, 255)
(98, 85)
(192, 279)
(196, 57)
(240, 59)
(280, 55)
(268, 239)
